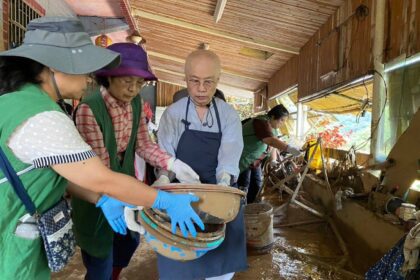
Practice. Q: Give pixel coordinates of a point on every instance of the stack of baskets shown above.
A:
(221, 202)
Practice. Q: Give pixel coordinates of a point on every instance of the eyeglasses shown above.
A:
(207, 83)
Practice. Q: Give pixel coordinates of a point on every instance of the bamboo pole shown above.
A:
(301, 223)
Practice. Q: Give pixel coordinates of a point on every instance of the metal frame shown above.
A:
(20, 14)
(306, 205)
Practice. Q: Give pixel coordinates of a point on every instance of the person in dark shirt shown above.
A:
(259, 133)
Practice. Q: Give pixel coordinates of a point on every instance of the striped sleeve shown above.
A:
(60, 159)
(149, 150)
(90, 131)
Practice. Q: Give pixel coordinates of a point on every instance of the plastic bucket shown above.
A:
(259, 227)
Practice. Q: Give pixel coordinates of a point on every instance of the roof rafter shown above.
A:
(178, 74)
(182, 61)
(183, 24)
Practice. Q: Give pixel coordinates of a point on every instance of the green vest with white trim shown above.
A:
(22, 258)
(93, 233)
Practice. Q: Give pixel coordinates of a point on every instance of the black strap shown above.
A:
(217, 115)
(185, 121)
(16, 183)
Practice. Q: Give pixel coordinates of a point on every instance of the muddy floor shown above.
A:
(308, 251)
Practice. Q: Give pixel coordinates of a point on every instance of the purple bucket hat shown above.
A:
(133, 62)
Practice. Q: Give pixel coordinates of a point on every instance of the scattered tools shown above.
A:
(306, 205)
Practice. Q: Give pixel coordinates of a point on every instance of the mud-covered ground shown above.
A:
(300, 252)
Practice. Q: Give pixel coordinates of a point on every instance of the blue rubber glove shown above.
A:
(113, 210)
(178, 207)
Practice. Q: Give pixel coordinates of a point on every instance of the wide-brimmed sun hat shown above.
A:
(134, 62)
(63, 44)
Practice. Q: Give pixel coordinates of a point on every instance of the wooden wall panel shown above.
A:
(360, 59)
(284, 78)
(328, 53)
(416, 28)
(174, 28)
(339, 52)
(165, 93)
(396, 18)
(403, 21)
(308, 68)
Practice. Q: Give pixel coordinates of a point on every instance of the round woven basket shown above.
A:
(220, 201)
(171, 247)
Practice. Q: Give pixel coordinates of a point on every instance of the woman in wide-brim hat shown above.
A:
(113, 123)
(53, 63)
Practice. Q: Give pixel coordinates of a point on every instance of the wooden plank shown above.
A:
(165, 92)
(413, 28)
(395, 35)
(285, 78)
(223, 80)
(223, 34)
(308, 68)
(417, 30)
(403, 34)
(321, 55)
(218, 12)
(328, 53)
(179, 60)
(269, 20)
(283, 23)
(169, 40)
(360, 59)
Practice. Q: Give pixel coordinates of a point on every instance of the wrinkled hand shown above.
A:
(113, 210)
(178, 207)
(224, 179)
(293, 150)
(161, 181)
(273, 163)
(183, 172)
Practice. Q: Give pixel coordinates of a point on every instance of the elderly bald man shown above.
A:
(205, 132)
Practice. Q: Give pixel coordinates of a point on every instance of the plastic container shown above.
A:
(259, 227)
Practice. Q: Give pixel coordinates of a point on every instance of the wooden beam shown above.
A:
(172, 83)
(182, 61)
(169, 72)
(218, 12)
(228, 90)
(178, 74)
(165, 56)
(219, 33)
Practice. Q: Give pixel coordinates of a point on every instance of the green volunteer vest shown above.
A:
(253, 147)
(93, 233)
(22, 258)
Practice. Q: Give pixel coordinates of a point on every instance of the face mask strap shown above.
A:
(60, 101)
